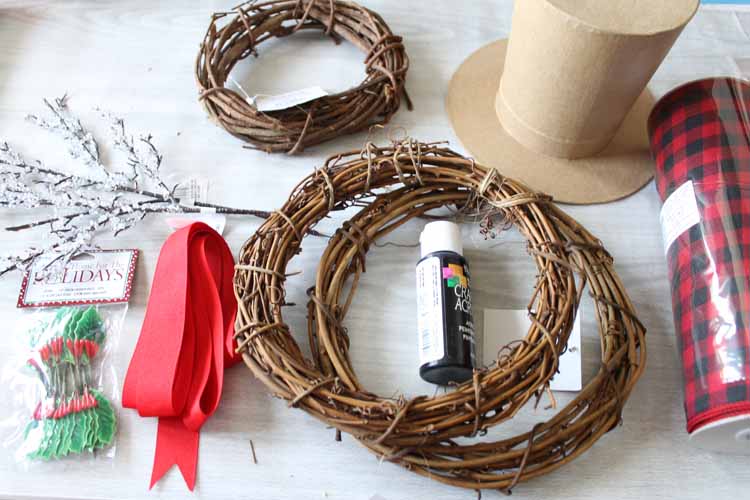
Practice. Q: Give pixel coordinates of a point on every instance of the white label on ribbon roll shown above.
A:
(288, 100)
(679, 213)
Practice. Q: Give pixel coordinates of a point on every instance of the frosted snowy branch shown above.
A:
(86, 204)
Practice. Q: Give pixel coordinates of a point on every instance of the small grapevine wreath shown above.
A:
(395, 184)
(291, 130)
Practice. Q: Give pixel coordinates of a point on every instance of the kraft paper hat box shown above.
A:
(562, 104)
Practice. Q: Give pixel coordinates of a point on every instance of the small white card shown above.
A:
(284, 101)
(678, 214)
(191, 191)
(97, 277)
(502, 326)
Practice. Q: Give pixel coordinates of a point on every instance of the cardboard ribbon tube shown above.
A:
(186, 342)
(700, 138)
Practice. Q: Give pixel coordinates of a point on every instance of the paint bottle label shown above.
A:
(445, 322)
(430, 310)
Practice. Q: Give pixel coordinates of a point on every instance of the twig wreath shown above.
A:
(395, 184)
(291, 130)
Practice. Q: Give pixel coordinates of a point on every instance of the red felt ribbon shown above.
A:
(186, 342)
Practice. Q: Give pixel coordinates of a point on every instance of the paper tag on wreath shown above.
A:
(287, 100)
(501, 327)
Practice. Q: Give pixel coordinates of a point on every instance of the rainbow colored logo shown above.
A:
(454, 275)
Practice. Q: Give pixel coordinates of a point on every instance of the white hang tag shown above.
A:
(284, 101)
(215, 221)
(192, 190)
(502, 326)
(679, 213)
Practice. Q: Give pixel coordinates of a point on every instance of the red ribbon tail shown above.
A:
(175, 445)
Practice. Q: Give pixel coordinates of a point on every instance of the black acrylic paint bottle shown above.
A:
(445, 322)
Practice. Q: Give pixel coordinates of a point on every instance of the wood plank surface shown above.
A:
(136, 59)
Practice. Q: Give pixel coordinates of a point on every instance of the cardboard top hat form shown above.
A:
(562, 105)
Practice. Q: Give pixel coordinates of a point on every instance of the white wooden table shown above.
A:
(136, 59)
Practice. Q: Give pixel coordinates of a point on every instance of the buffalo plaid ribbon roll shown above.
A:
(700, 134)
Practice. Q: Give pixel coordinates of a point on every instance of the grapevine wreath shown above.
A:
(291, 130)
(395, 184)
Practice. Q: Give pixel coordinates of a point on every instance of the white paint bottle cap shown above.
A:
(441, 236)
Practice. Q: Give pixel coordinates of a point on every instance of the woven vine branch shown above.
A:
(395, 184)
(233, 36)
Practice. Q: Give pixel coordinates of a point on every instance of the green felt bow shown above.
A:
(86, 430)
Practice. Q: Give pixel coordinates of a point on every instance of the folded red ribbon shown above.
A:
(186, 342)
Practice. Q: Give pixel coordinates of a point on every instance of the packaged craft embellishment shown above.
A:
(445, 320)
(62, 381)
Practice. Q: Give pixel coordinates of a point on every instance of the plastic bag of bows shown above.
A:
(61, 382)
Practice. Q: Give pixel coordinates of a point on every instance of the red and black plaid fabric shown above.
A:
(700, 132)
